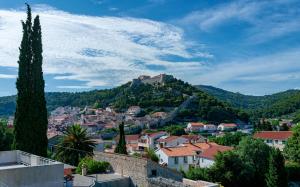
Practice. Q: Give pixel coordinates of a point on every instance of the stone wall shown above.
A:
(138, 169)
(36, 176)
(163, 182)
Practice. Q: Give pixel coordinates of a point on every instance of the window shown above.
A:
(276, 141)
(269, 141)
(175, 160)
(153, 173)
(185, 159)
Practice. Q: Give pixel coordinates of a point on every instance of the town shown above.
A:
(149, 93)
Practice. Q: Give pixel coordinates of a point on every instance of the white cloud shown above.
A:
(99, 50)
(73, 87)
(277, 67)
(265, 20)
(7, 76)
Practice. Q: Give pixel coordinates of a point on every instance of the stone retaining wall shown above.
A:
(138, 169)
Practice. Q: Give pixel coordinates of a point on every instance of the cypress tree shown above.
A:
(31, 113)
(121, 147)
(276, 175)
(38, 83)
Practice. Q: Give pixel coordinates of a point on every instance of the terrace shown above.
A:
(18, 168)
(19, 159)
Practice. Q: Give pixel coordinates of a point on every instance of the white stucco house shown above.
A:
(275, 139)
(207, 156)
(227, 127)
(210, 127)
(194, 127)
(180, 157)
(200, 127)
(148, 140)
(134, 110)
(185, 155)
(170, 141)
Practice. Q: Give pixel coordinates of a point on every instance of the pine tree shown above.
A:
(121, 147)
(276, 175)
(31, 113)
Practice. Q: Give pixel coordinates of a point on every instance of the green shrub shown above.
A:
(92, 166)
(293, 171)
(197, 174)
(150, 153)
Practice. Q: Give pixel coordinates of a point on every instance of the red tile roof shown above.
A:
(212, 151)
(196, 124)
(185, 150)
(278, 135)
(192, 137)
(156, 133)
(229, 124)
(133, 137)
(168, 139)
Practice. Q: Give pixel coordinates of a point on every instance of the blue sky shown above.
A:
(252, 47)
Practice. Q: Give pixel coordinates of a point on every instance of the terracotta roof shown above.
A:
(279, 135)
(156, 133)
(229, 124)
(196, 124)
(184, 150)
(212, 151)
(168, 139)
(133, 137)
(192, 137)
(159, 114)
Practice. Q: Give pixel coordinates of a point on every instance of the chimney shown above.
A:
(83, 170)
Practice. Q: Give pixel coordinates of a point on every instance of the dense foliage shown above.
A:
(75, 145)
(6, 137)
(251, 163)
(175, 130)
(292, 148)
(228, 139)
(31, 114)
(274, 105)
(293, 171)
(92, 166)
(276, 175)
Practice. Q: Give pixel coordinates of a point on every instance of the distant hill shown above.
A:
(159, 93)
(275, 105)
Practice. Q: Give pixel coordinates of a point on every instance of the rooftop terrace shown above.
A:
(19, 159)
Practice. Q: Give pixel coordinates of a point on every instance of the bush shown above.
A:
(197, 174)
(151, 154)
(92, 166)
(293, 171)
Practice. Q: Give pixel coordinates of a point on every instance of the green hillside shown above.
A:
(152, 97)
(275, 105)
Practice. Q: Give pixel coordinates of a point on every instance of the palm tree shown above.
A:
(75, 145)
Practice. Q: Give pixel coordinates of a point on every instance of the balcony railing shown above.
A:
(33, 160)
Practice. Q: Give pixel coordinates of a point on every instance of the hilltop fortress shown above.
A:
(146, 79)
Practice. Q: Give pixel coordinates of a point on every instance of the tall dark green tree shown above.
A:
(276, 175)
(121, 147)
(31, 113)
